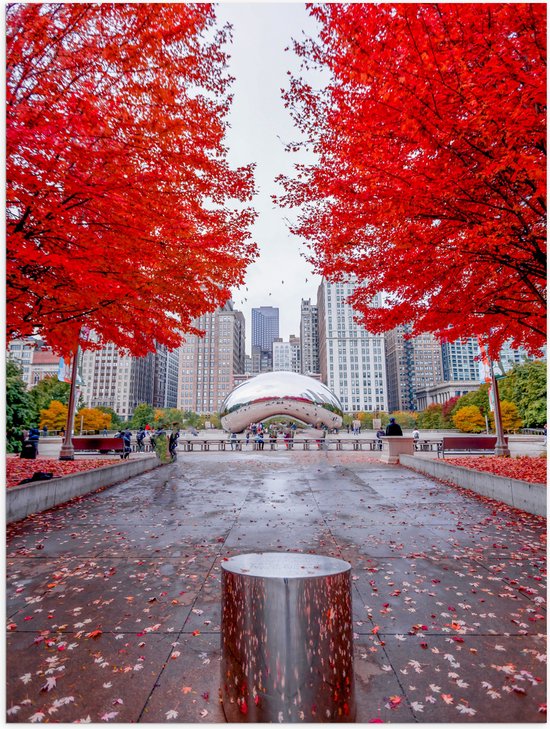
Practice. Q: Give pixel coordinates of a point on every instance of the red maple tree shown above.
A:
(430, 178)
(120, 198)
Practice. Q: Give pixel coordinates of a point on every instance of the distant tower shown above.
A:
(352, 360)
(265, 330)
(460, 360)
(208, 364)
(309, 337)
(411, 365)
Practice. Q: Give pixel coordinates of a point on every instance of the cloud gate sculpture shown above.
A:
(280, 393)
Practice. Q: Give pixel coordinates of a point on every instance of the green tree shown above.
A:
(525, 386)
(431, 418)
(479, 398)
(405, 419)
(469, 419)
(191, 419)
(116, 420)
(143, 414)
(48, 389)
(18, 406)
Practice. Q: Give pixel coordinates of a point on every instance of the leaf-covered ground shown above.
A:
(524, 468)
(113, 601)
(18, 469)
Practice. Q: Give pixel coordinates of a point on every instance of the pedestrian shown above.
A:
(379, 435)
(127, 439)
(416, 437)
(45, 431)
(259, 441)
(104, 431)
(140, 437)
(273, 440)
(247, 436)
(233, 441)
(173, 444)
(393, 428)
(34, 437)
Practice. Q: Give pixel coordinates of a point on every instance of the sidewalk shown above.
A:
(113, 601)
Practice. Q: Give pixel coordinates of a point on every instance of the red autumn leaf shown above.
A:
(94, 634)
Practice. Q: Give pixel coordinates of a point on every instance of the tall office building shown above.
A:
(309, 337)
(352, 360)
(165, 378)
(115, 380)
(286, 355)
(265, 330)
(208, 364)
(411, 365)
(460, 360)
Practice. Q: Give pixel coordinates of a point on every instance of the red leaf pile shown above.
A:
(525, 468)
(19, 468)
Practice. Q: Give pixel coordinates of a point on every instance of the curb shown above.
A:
(529, 497)
(31, 498)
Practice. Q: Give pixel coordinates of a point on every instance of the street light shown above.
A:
(67, 451)
(501, 448)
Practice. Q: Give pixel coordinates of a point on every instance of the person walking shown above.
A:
(127, 439)
(393, 428)
(416, 436)
(379, 434)
(140, 437)
(173, 444)
(233, 441)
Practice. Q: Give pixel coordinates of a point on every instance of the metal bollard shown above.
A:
(287, 639)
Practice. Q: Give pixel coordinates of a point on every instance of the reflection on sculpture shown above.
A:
(280, 393)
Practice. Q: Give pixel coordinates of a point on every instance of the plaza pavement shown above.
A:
(113, 601)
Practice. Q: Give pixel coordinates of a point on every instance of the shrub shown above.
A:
(469, 419)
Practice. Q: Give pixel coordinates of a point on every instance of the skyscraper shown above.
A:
(411, 365)
(208, 364)
(117, 381)
(286, 355)
(309, 337)
(265, 330)
(460, 360)
(352, 360)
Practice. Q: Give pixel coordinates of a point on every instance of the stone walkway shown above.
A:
(113, 601)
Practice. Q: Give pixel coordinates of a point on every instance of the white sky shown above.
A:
(260, 128)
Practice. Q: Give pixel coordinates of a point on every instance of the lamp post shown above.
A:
(67, 451)
(501, 449)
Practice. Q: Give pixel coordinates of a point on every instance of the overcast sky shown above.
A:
(260, 128)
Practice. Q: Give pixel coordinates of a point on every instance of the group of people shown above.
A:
(126, 436)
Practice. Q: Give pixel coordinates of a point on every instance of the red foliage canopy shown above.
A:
(430, 177)
(118, 185)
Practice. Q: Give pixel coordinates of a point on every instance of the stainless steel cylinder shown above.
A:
(286, 639)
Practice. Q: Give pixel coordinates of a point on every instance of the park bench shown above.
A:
(467, 443)
(99, 443)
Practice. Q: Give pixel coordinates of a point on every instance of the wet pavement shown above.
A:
(113, 601)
